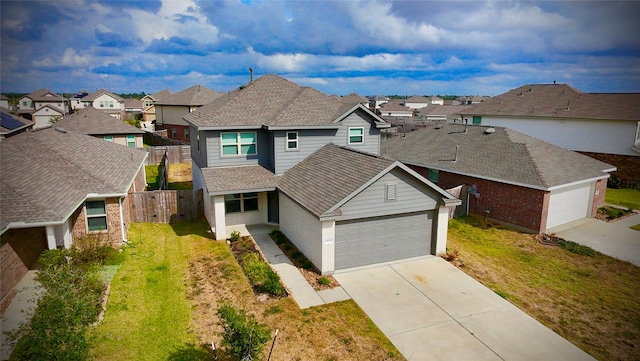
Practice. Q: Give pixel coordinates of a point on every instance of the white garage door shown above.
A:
(570, 204)
(382, 239)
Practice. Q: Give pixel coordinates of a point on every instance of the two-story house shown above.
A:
(171, 109)
(105, 101)
(149, 108)
(43, 107)
(94, 122)
(275, 152)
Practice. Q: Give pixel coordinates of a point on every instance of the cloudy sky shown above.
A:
(338, 47)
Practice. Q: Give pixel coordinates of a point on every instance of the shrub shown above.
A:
(577, 248)
(261, 275)
(52, 257)
(242, 335)
(235, 236)
(272, 284)
(324, 281)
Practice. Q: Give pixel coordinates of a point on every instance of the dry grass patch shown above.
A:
(592, 301)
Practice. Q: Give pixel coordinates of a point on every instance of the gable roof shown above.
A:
(226, 180)
(395, 106)
(416, 99)
(319, 183)
(48, 106)
(505, 156)
(92, 121)
(133, 103)
(43, 95)
(197, 95)
(164, 93)
(93, 96)
(273, 101)
(76, 166)
(559, 101)
(354, 98)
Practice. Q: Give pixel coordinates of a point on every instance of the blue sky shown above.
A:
(339, 47)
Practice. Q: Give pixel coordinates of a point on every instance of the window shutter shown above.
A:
(390, 192)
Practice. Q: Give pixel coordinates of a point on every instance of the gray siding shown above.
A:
(308, 142)
(214, 158)
(199, 156)
(302, 228)
(411, 196)
(371, 134)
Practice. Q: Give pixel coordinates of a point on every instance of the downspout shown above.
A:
(124, 237)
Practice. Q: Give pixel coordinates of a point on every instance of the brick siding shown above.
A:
(179, 131)
(598, 197)
(628, 167)
(19, 253)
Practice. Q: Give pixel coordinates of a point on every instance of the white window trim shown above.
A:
(349, 135)
(242, 199)
(390, 192)
(105, 215)
(287, 140)
(238, 145)
(133, 137)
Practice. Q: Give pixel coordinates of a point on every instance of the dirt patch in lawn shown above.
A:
(180, 172)
(338, 331)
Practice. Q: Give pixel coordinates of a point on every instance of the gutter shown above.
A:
(124, 236)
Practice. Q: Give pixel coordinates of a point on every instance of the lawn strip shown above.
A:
(624, 197)
(590, 300)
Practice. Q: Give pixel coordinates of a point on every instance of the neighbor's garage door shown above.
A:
(381, 239)
(569, 204)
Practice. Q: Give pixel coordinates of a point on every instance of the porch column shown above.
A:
(328, 247)
(219, 218)
(66, 235)
(441, 232)
(51, 237)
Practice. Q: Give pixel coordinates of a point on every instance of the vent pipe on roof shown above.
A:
(466, 125)
(250, 75)
(455, 159)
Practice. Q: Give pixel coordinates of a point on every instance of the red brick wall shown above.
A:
(628, 166)
(20, 251)
(522, 207)
(179, 131)
(598, 197)
(12, 269)
(113, 234)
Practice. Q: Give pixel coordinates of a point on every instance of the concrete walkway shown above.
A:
(431, 310)
(614, 239)
(20, 309)
(301, 291)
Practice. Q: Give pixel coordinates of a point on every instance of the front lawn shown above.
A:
(592, 301)
(625, 197)
(164, 299)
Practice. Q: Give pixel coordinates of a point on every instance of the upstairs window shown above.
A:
(433, 175)
(186, 133)
(477, 119)
(356, 135)
(131, 141)
(241, 143)
(96, 212)
(292, 140)
(108, 138)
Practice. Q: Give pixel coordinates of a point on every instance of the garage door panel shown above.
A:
(569, 205)
(382, 239)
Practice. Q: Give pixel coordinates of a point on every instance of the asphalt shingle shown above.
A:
(93, 121)
(197, 95)
(225, 180)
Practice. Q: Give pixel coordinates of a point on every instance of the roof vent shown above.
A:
(490, 131)
(60, 129)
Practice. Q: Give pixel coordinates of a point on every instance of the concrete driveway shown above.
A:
(614, 239)
(431, 310)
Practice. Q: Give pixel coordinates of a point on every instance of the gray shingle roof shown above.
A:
(329, 175)
(417, 99)
(559, 101)
(93, 96)
(164, 93)
(505, 155)
(196, 95)
(225, 180)
(92, 121)
(44, 95)
(47, 174)
(272, 101)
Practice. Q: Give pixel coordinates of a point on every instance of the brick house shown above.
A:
(94, 122)
(85, 191)
(506, 176)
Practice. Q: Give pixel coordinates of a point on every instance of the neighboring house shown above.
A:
(45, 116)
(149, 109)
(434, 100)
(11, 125)
(262, 154)
(394, 109)
(4, 102)
(416, 102)
(40, 98)
(91, 121)
(132, 106)
(355, 98)
(171, 109)
(76, 100)
(444, 113)
(105, 101)
(509, 177)
(376, 101)
(58, 186)
(469, 100)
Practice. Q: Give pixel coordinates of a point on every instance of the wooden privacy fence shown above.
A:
(166, 206)
(174, 154)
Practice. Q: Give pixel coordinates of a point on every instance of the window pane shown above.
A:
(96, 207)
(292, 145)
(433, 175)
(231, 197)
(232, 206)
(355, 131)
(228, 138)
(292, 136)
(229, 149)
(251, 195)
(247, 138)
(108, 138)
(248, 149)
(97, 223)
(250, 204)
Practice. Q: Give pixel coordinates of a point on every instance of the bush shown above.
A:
(577, 248)
(52, 258)
(261, 275)
(242, 335)
(235, 236)
(324, 281)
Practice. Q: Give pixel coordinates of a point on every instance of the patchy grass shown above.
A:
(153, 176)
(200, 276)
(180, 177)
(624, 197)
(610, 213)
(590, 300)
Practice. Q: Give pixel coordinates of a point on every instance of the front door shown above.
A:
(273, 207)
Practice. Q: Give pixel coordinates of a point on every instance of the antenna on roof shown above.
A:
(250, 75)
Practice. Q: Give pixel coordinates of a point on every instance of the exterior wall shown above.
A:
(252, 217)
(171, 114)
(598, 196)
(25, 103)
(371, 134)
(517, 206)
(411, 196)
(113, 234)
(586, 135)
(180, 131)
(416, 105)
(122, 139)
(12, 269)
(302, 228)
(19, 252)
(198, 151)
(54, 102)
(117, 105)
(628, 171)
(308, 142)
(42, 117)
(439, 241)
(213, 150)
